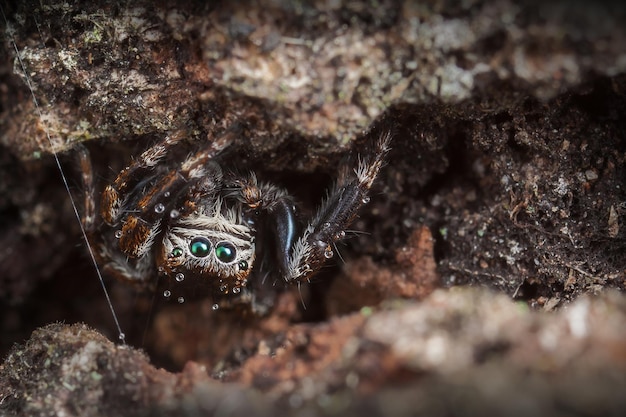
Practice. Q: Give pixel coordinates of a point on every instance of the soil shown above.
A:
(484, 276)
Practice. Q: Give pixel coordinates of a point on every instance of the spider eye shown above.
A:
(225, 252)
(200, 247)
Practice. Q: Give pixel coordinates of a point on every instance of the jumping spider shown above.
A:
(198, 224)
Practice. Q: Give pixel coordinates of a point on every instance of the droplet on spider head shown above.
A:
(166, 194)
(174, 214)
(326, 225)
(159, 208)
(328, 253)
(118, 234)
(180, 277)
(181, 300)
(365, 200)
(224, 288)
(167, 293)
(321, 244)
(340, 235)
(122, 336)
(215, 307)
(236, 290)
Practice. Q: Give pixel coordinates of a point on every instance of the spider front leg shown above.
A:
(111, 263)
(349, 194)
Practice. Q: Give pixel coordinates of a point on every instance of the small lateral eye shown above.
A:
(225, 252)
(200, 247)
(176, 252)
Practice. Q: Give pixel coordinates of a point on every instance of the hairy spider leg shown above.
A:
(138, 230)
(129, 177)
(140, 227)
(338, 211)
(111, 264)
(88, 216)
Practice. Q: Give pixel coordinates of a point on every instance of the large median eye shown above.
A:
(200, 247)
(225, 252)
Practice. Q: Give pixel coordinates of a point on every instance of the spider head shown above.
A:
(213, 249)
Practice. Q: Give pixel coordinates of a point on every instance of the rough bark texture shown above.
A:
(459, 352)
(507, 172)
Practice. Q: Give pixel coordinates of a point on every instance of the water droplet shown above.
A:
(122, 336)
(181, 300)
(161, 269)
(321, 244)
(326, 225)
(328, 253)
(166, 194)
(167, 293)
(118, 234)
(159, 208)
(365, 200)
(236, 290)
(215, 307)
(174, 214)
(224, 288)
(340, 235)
(180, 277)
